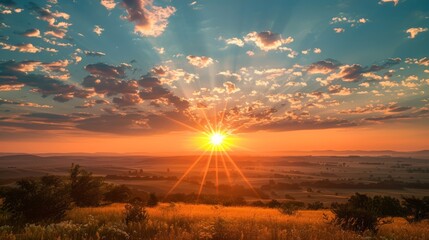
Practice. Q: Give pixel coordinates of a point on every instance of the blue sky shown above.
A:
(128, 67)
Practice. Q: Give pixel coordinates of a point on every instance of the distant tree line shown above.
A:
(326, 183)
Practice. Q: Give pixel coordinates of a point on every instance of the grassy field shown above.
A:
(184, 221)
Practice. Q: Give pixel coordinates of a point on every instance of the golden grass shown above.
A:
(188, 222)
(185, 221)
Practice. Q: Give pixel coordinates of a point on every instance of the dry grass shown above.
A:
(183, 221)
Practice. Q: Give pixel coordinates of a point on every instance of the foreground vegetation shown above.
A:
(82, 206)
(186, 221)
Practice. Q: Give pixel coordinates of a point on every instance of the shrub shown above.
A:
(273, 204)
(118, 193)
(315, 206)
(135, 211)
(290, 207)
(388, 206)
(358, 214)
(86, 190)
(32, 201)
(152, 201)
(416, 209)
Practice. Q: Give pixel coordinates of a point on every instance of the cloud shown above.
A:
(34, 32)
(230, 87)
(169, 76)
(159, 50)
(108, 4)
(98, 30)
(94, 54)
(58, 29)
(339, 90)
(199, 61)
(414, 31)
(108, 79)
(370, 108)
(15, 73)
(267, 41)
(23, 104)
(339, 30)
(57, 33)
(148, 19)
(395, 2)
(354, 72)
(322, 67)
(422, 61)
(250, 53)
(230, 75)
(105, 70)
(235, 41)
(26, 47)
(127, 100)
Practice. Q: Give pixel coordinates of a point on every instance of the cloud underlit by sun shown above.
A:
(148, 67)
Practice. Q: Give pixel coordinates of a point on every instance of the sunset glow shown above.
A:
(216, 139)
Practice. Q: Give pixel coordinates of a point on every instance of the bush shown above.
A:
(291, 207)
(86, 190)
(135, 211)
(362, 213)
(388, 206)
(416, 209)
(33, 201)
(118, 193)
(315, 206)
(152, 201)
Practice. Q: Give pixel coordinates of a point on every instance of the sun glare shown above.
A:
(216, 139)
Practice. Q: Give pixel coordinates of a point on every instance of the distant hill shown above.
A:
(413, 154)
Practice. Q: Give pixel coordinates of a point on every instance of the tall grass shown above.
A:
(182, 221)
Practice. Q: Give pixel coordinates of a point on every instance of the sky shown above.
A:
(153, 76)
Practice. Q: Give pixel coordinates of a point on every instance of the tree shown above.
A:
(86, 190)
(416, 208)
(388, 206)
(37, 201)
(118, 193)
(152, 201)
(358, 214)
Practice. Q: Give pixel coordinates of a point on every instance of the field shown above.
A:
(304, 178)
(181, 221)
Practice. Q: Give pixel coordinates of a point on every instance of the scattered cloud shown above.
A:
(395, 2)
(339, 30)
(415, 31)
(149, 20)
(98, 30)
(94, 54)
(108, 4)
(267, 41)
(34, 32)
(199, 61)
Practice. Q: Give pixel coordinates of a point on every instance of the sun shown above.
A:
(216, 139)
